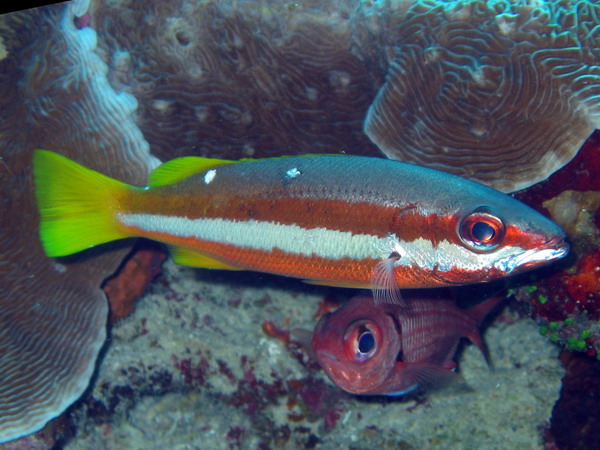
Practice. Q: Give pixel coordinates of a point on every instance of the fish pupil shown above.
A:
(366, 342)
(482, 231)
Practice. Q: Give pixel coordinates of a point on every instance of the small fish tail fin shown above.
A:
(481, 310)
(478, 313)
(77, 205)
(475, 338)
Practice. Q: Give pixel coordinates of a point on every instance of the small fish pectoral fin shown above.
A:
(179, 169)
(186, 257)
(383, 282)
(344, 284)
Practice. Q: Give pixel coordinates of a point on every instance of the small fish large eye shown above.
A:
(361, 340)
(481, 231)
(366, 342)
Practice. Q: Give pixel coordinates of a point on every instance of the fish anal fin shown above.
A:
(186, 257)
(179, 169)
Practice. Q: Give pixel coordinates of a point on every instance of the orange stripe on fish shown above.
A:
(336, 220)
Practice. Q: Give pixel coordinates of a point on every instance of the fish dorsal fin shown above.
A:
(186, 257)
(179, 169)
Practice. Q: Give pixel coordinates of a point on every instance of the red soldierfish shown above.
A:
(369, 348)
(335, 220)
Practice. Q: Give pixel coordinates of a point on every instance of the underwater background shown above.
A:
(503, 92)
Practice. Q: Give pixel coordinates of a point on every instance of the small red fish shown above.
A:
(368, 348)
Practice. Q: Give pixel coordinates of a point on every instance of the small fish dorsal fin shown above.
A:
(179, 169)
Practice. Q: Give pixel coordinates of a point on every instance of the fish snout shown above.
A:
(336, 369)
(323, 355)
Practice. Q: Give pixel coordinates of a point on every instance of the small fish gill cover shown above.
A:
(503, 93)
(53, 313)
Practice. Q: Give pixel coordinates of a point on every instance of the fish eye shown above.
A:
(481, 231)
(361, 341)
(366, 342)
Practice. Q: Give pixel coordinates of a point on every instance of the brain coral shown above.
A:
(503, 92)
(53, 313)
(228, 79)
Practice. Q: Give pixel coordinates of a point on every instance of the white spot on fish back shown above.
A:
(292, 173)
(209, 176)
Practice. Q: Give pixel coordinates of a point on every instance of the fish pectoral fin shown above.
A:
(344, 284)
(186, 257)
(179, 169)
(383, 282)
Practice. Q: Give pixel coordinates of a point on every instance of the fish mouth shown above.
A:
(334, 368)
(325, 354)
(553, 249)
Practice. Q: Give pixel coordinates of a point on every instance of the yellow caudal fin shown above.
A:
(77, 205)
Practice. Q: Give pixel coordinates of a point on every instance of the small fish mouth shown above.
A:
(334, 368)
(325, 354)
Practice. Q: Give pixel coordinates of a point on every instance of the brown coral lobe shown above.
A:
(222, 81)
(52, 313)
(503, 93)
